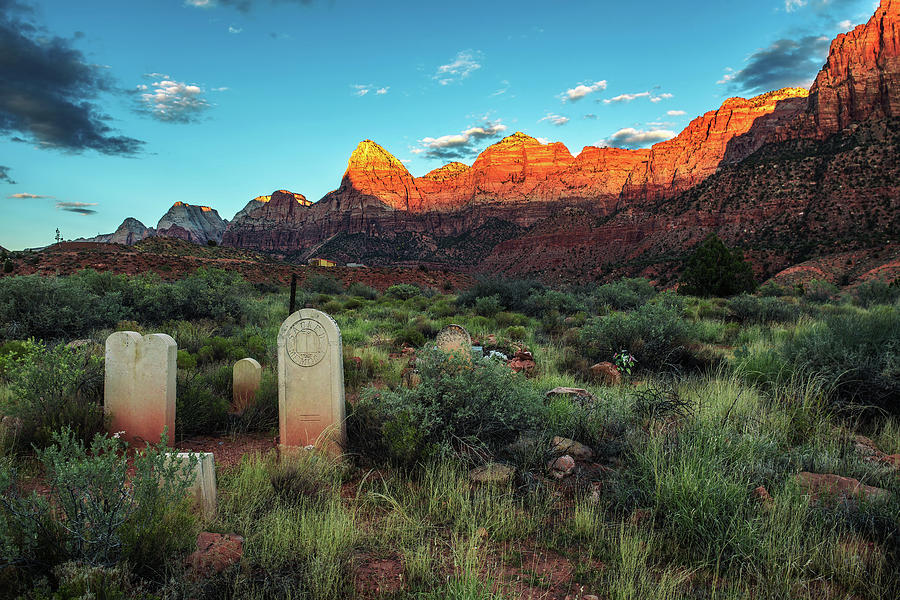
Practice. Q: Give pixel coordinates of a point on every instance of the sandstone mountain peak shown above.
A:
(191, 222)
(449, 170)
(368, 152)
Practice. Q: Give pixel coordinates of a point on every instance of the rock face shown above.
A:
(270, 223)
(129, 232)
(198, 224)
(861, 79)
(260, 200)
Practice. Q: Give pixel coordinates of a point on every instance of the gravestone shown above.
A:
(455, 340)
(203, 480)
(139, 387)
(311, 382)
(246, 375)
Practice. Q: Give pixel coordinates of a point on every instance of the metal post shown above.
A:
(293, 306)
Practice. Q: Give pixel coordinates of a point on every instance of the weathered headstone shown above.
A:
(139, 390)
(454, 340)
(246, 376)
(311, 382)
(203, 480)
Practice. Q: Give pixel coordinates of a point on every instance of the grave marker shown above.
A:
(246, 376)
(139, 385)
(455, 340)
(311, 382)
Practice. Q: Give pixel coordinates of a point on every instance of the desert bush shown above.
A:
(771, 289)
(409, 337)
(857, 354)
(95, 513)
(52, 387)
(875, 292)
(716, 270)
(458, 403)
(516, 332)
(203, 400)
(403, 291)
(542, 301)
(819, 291)
(513, 293)
(323, 284)
(655, 334)
(361, 290)
(487, 306)
(625, 294)
(751, 309)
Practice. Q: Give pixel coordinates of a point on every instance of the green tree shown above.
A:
(716, 270)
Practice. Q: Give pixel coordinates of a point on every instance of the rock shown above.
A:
(131, 231)
(762, 494)
(197, 224)
(581, 395)
(865, 446)
(574, 449)
(492, 473)
(273, 222)
(606, 373)
(562, 466)
(522, 361)
(215, 552)
(818, 486)
(80, 343)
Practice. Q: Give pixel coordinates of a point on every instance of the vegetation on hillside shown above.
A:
(727, 395)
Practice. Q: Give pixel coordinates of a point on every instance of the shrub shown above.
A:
(322, 284)
(403, 291)
(487, 306)
(819, 291)
(771, 289)
(203, 400)
(750, 309)
(625, 294)
(875, 292)
(857, 354)
(516, 332)
(513, 293)
(361, 290)
(458, 403)
(655, 334)
(715, 270)
(52, 388)
(541, 302)
(409, 337)
(8, 266)
(95, 513)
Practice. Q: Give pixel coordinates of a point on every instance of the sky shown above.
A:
(111, 109)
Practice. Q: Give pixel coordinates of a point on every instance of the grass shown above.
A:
(667, 510)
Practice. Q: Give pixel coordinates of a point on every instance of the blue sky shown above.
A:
(110, 109)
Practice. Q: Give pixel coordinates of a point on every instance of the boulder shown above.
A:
(562, 466)
(606, 373)
(576, 450)
(580, 395)
(522, 361)
(826, 485)
(492, 473)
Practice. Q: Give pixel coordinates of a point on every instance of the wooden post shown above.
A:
(293, 305)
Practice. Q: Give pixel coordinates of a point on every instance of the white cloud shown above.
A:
(661, 97)
(636, 138)
(543, 140)
(21, 195)
(465, 63)
(727, 77)
(172, 101)
(581, 90)
(233, 29)
(676, 113)
(846, 25)
(626, 98)
(555, 119)
(502, 90)
(363, 89)
(220, 89)
(200, 3)
(792, 5)
(459, 145)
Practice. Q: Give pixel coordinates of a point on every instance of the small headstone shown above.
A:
(246, 376)
(454, 340)
(139, 390)
(311, 382)
(203, 480)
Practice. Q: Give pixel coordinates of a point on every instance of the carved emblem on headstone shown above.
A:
(307, 342)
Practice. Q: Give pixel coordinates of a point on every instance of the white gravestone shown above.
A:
(203, 480)
(311, 382)
(246, 376)
(139, 388)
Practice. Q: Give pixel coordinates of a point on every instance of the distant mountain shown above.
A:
(198, 224)
(788, 175)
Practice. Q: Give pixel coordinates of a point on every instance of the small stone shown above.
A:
(492, 473)
(576, 450)
(562, 466)
(762, 494)
(522, 361)
(580, 395)
(606, 373)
